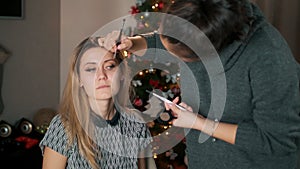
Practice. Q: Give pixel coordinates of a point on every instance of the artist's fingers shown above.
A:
(176, 112)
(168, 105)
(174, 108)
(175, 101)
(126, 44)
(109, 41)
(101, 42)
(187, 107)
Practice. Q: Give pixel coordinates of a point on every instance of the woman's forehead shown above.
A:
(96, 54)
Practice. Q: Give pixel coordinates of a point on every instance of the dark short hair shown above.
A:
(222, 21)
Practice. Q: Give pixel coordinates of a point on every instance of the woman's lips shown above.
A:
(103, 86)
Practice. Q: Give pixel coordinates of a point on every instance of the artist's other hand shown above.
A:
(110, 42)
(183, 118)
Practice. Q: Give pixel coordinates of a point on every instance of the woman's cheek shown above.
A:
(89, 85)
(115, 84)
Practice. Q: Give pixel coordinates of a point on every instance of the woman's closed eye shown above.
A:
(90, 69)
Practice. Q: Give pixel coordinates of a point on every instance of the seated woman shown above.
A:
(94, 129)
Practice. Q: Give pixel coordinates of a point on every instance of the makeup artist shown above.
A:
(260, 125)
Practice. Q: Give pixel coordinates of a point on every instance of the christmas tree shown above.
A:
(142, 11)
(164, 134)
(158, 79)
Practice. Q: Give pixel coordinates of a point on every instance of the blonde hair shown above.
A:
(75, 108)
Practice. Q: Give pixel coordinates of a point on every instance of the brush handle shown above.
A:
(166, 100)
(120, 34)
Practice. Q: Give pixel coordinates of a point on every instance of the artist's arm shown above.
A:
(222, 131)
(135, 44)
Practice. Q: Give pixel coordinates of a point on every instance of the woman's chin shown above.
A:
(103, 96)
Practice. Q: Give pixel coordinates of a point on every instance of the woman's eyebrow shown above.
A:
(109, 60)
(87, 63)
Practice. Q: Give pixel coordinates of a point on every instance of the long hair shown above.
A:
(222, 21)
(75, 107)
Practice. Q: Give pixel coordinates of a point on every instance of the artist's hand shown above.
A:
(184, 118)
(110, 42)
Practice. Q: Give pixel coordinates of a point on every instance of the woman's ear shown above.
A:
(80, 83)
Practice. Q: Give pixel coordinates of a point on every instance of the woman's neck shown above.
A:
(101, 108)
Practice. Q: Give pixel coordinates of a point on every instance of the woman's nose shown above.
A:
(101, 75)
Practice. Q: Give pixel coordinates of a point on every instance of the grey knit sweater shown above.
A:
(262, 79)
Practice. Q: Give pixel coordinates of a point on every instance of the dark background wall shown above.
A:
(285, 16)
(31, 73)
(41, 44)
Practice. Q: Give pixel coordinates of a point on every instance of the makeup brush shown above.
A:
(165, 100)
(118, 42)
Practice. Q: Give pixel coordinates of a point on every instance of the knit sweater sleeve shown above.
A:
(153, 40)
(276, 105)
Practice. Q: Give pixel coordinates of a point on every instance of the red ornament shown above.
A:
(154, 83)
(138, 102)
(161, 5)
(134, 10)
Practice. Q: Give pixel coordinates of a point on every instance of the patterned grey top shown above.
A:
(119, 142)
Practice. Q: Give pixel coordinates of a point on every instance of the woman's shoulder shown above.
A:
(268, 39)
(267, 46)
(55, 137)
(56, 128)
(56, 121)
